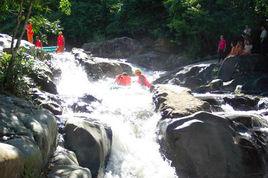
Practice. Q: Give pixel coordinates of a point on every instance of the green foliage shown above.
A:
(195, 25)
(65, 6)
(21, 10)
(22, 66)
(200, 22)
(43, 27)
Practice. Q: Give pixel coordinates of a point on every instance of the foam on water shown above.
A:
(129, 112)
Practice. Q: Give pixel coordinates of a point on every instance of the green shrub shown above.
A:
(22, 65)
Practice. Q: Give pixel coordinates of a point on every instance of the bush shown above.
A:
(22, 66)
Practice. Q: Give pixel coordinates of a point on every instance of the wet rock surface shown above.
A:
(248, 73)
(202, 144)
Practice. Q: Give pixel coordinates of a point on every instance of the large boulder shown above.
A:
(43, 77)
(242, 102)
(174, 102)
(191, 76)
(157, 60)
(251, 72)
(91, 142)
(256, 85)
(234, 67)
(116, 48)
(97, 68)
(5, 42)
(31, 130)
(206, 145)
(64, 164)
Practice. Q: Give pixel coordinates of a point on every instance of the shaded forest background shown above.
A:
(192, 25)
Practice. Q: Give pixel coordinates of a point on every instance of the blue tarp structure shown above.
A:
(50, 49)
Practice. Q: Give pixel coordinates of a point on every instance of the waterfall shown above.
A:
(129, 112)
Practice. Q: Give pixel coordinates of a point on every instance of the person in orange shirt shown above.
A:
(236, 50)
(60, 43)
(142, 80)
(30, 33)
(38, 42)
(123, 79)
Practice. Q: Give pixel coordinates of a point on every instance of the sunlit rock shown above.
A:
(177, 102)
(10, 159)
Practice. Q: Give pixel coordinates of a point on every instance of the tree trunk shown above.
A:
(10, 77)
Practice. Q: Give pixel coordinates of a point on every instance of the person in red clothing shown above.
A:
(221, 48)
(30, 33)
(142, 80)
(60, 43)
(123, 79)
(38, 42)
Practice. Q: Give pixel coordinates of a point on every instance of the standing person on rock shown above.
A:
(60, 43)
(38, 42)
(29, 30)
(221, 48)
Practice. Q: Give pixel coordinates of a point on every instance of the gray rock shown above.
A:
(48, 101)
(64, 164)
(206, 145)
(157, 60)
(91, 142)
(242, 102)
(236, 66)
(172, 103)
(97, 68)
(192, 76)
(31, 130)
(116, 48)
(42, 76)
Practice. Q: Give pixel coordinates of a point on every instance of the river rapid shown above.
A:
(129, 111)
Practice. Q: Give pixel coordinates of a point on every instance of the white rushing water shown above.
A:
(129, 112)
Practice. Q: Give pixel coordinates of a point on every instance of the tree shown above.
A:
(22, 9)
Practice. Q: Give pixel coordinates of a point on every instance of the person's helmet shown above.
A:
(137, 71)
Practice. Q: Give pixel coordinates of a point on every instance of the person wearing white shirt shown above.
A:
(263, 38)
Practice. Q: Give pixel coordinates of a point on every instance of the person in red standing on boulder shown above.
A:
(123, 79)
(60, 43)
(38, 42)
(142, 80)
(29, 30)
(221, 48)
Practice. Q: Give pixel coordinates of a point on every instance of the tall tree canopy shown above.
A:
(190, 23)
